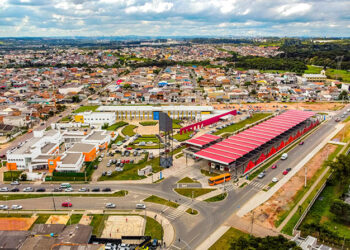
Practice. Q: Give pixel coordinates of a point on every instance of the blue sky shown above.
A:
(174, 17)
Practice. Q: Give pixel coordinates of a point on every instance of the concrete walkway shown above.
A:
(294, 210)
(263, 196)
(213, 238)
(211, 194)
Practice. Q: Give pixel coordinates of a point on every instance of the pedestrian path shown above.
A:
(257, 185)
(180, 210)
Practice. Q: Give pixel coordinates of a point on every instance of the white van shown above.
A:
(284, 156)
(65, 185)
(140, 206)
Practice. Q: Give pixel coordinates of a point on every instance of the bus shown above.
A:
(219, 179)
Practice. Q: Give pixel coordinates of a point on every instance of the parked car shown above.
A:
(57, 189)
(28, 189)
(107, 189)
(274, 166)
(110, 205)
(301, 143)
(104, 173)
(95, 166)
(3, 207)
(15, 189)
(274, 179)
(68, 190)
(66, 204)
(16, 207)
(95, 189)
(4, 189)
(288, 169)
(109, 173)
(84, 190)
(15, 183)
(285, 172)
(41, 190)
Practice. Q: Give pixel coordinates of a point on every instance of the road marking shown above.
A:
(175, 247)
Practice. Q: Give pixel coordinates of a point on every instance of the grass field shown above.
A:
(120, 193)
(242, 124)
(196, 191)
(330, 73)
(74, 219)
(97, 223)
(313, 69)
(129, 130)
(159, 200)
(42, 218)
(117, 125)
(216, 198)
(187, 180)
(12, 175)
(224, 242)
(183, 137)
(191, 211)
(153, 228)
(86, 108)
(148, 123)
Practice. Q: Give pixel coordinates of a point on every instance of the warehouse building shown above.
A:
(241, 152)
(152, 112)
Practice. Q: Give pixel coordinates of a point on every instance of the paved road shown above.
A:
(192, 230)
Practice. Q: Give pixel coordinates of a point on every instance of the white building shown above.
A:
(34, 153)
(96, 118)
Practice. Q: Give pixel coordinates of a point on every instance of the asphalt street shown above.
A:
(191, 230)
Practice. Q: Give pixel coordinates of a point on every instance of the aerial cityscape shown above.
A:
(161, 124)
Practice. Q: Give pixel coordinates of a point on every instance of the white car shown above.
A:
(28, 189)
(140, 206)
(284, 156)
(4, 189)
(83, 190)
(110, 205)
(16, 207)
(102, 155)
(99, 159)
(274, 179)
(68, 190)
(15, 183)
(3, 207)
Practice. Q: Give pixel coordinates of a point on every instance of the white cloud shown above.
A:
(293, 9)
(156, 6)
(23, 23)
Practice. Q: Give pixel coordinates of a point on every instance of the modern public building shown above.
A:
(152, 112)
(241, 152)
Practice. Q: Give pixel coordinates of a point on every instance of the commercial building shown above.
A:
(152, 112)
(241, 152)
(316, 77)
(95, 118)
(42, 151)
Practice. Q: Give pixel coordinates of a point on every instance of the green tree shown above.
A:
(341, 168)
(343, 95)
(341, 210)
(75, 98)
(23, 177)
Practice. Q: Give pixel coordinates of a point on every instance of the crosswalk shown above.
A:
(228, 187)
(257, 184)
(181, 209)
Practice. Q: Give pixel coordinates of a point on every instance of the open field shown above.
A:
(271, 213)
(20, 224)
(224, 242)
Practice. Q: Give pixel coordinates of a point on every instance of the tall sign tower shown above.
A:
(165, 138)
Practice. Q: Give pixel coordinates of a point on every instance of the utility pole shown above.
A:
(305, 175)
(192, 202)
(53, 202)
(251, 229)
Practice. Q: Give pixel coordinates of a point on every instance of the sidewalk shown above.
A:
(263, 196)
(213, 238)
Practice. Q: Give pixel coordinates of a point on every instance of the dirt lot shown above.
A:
(268, 212)
(21, 224)
(117, 226)
(58, 219)
(316, 106)
(85, 220)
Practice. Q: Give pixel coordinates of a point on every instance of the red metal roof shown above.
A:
(238, 145)
(203, 140)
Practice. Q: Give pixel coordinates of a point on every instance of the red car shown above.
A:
(123, 161)
(274, 166)
(127, 161)
(285, 172)
(66, 204)
(301, 143)
(129, 148)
